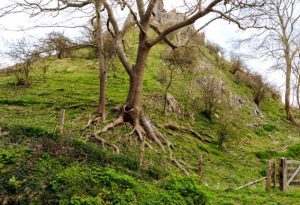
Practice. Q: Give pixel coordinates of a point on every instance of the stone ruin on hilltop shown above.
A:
(164, 18)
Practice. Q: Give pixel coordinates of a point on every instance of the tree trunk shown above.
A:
(133, 105)
(167, 90)
(102, 65)
(288, 109)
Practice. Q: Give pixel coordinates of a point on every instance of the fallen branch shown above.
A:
(251, 183)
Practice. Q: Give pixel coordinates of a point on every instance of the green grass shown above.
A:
(38, 165)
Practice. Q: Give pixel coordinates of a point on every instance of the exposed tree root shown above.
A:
(175, 161)
(186, 130)
(188, 166)
(142, 149)
(103, 142)
(179, 166)
(144, 129)
(94, 119)
(149, 128)
(140, 132)
(117, 122)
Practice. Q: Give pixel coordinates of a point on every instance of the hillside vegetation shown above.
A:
(40, 166)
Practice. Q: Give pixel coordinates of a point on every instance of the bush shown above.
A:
(227, 117)
(237, 64)
(76, 200)
(80, 180)
(58, 43)
(212, 89)
(186, 189)
(24, 53)
(260, 89)
(184, 58)
(213, 47)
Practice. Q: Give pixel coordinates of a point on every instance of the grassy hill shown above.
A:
(39, 166)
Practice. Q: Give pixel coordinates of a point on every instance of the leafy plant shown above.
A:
(187, 188)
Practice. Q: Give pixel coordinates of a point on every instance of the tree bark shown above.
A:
(102, 65)
(133, 105)
(167, 90)
(288, 108)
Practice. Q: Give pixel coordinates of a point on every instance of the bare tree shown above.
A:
(212, 89)
(177, 60)
(101, 58)
(281, 39)
(57, 43)
(24, 53)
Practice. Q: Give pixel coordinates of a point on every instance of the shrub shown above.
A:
(213, 47)
(227, 117)
(183, 58)
(212, 89)
(58, 43)
(76, 200)
(236, 64)
(259, 88)
(24, 53)
(186, 188)
(80, 180)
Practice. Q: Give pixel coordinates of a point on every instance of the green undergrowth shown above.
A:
(39, 166)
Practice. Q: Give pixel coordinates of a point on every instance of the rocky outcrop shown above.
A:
(165, 19)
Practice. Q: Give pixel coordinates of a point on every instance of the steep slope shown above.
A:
(40, 166)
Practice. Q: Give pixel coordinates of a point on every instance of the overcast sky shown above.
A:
(219, 32)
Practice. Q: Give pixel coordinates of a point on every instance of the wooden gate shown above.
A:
(289, 173)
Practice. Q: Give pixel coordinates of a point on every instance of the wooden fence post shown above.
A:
(200, 166)
(274, 174)
(283, 174)
(62, 121)
(269, 175)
